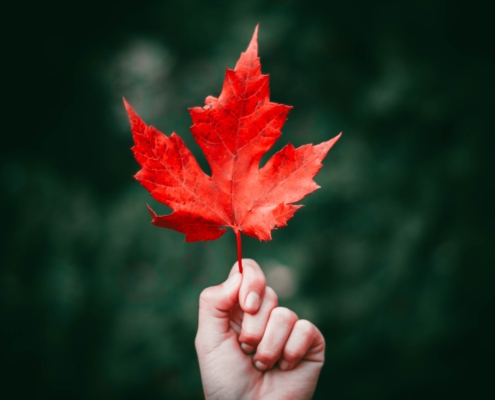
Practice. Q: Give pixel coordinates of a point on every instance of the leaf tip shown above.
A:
(325, 147)
(130, 112)
(152, 213)
(253, 45)
(126, 105)
(334, 140)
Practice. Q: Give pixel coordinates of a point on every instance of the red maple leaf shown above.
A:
(234, 131)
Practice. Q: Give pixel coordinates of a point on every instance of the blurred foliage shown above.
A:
(392, 258)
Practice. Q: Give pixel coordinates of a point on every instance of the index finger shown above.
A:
(252, 287)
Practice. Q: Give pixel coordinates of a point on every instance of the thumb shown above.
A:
(214, 305)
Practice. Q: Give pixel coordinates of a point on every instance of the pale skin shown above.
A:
(249, 348)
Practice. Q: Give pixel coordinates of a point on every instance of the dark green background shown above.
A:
(392, 258)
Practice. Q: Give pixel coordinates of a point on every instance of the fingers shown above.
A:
(275, 333)
(253, 286)
(215, 304)
(305, 342)
(278, 330)
(254, 325)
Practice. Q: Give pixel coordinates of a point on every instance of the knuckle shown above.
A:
(271, 296)
(305, 326)
(205, 297)
(283, 313)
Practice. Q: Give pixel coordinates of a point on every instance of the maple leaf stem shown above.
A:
(239, 249)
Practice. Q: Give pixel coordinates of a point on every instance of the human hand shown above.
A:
(249, 348)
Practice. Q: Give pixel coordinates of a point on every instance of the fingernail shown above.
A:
(253, 301)
(247, 348)
(284, 365)
(260, 365)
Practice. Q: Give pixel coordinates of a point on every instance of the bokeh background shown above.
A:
(392, 258)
